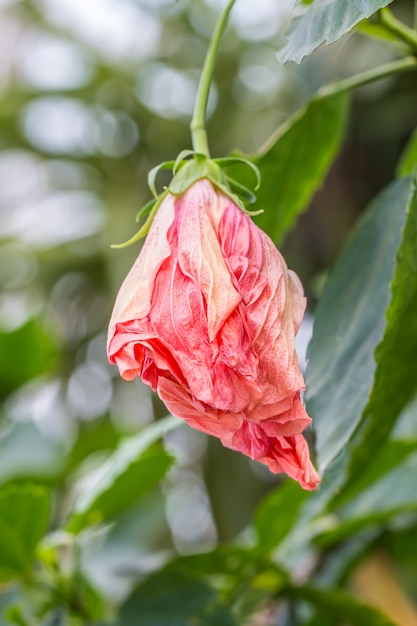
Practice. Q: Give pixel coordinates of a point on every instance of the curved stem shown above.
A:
(403, 32)
(198, 122)
(389, 69)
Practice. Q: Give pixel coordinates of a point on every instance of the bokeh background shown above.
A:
(93, 94)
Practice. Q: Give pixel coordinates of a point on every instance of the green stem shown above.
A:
(389, 69)
(403, 32)
(198, 123)
(415, 15)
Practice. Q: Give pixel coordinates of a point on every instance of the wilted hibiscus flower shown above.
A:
(207, 317)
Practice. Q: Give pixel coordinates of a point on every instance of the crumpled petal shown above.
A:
(207, 317)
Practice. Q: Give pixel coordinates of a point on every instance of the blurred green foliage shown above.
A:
(93, 95)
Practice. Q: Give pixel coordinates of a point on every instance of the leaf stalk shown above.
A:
(407, 64)
(397, 28)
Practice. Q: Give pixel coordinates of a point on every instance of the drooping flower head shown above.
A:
(207, 317)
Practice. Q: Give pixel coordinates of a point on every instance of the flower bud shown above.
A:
(207, 317)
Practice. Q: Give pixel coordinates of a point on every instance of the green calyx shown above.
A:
(188, 171)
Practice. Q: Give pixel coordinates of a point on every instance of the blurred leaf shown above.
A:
(8, 597)
(120, 552)
(245, 577)
(389, 456)
(384, 490)
(26, 453)
(339, 561)
(350, 322)
(132, 470)
(399, 542)
(92, 437)
(394, 492)
(230, 561)
(408, 160)
(277, 514)
(24, 353)
(325, 22)
(84, 596)
(294, 162)
(343, 607)
(24, 514)
(171, 598)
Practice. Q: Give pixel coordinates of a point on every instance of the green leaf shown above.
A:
(295, 161)
(24, 353)
(350, 322)
(277, 514)
(408, 160)
(325, 21)
(393, 493)
(171, 598)
(343, 607)
(395, 379)
(24, 514)
(133, 469)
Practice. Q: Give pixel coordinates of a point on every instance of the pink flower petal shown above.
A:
(207, 317)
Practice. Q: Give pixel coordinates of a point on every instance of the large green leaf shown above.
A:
(325, 21)
(170, 598)
(24, 514)
(396, 356)
(343, 607)
(295, 161)
(350, 322)
(132, 470)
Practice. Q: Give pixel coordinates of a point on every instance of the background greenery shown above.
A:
(101, 523)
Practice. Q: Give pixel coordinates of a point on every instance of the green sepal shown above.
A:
(201, 167)
(243, 191)
(186, 173)
(196, 169)
(226, 161)
(143, 231)
(145, 209)
(227, 192)
(166, 165)
(180, 158)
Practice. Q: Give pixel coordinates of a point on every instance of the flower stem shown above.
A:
(389, 69)
(198, 122)
(403, 32)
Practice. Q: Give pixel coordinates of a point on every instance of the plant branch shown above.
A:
(394, 26)
(198, 122)
(407, 64)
